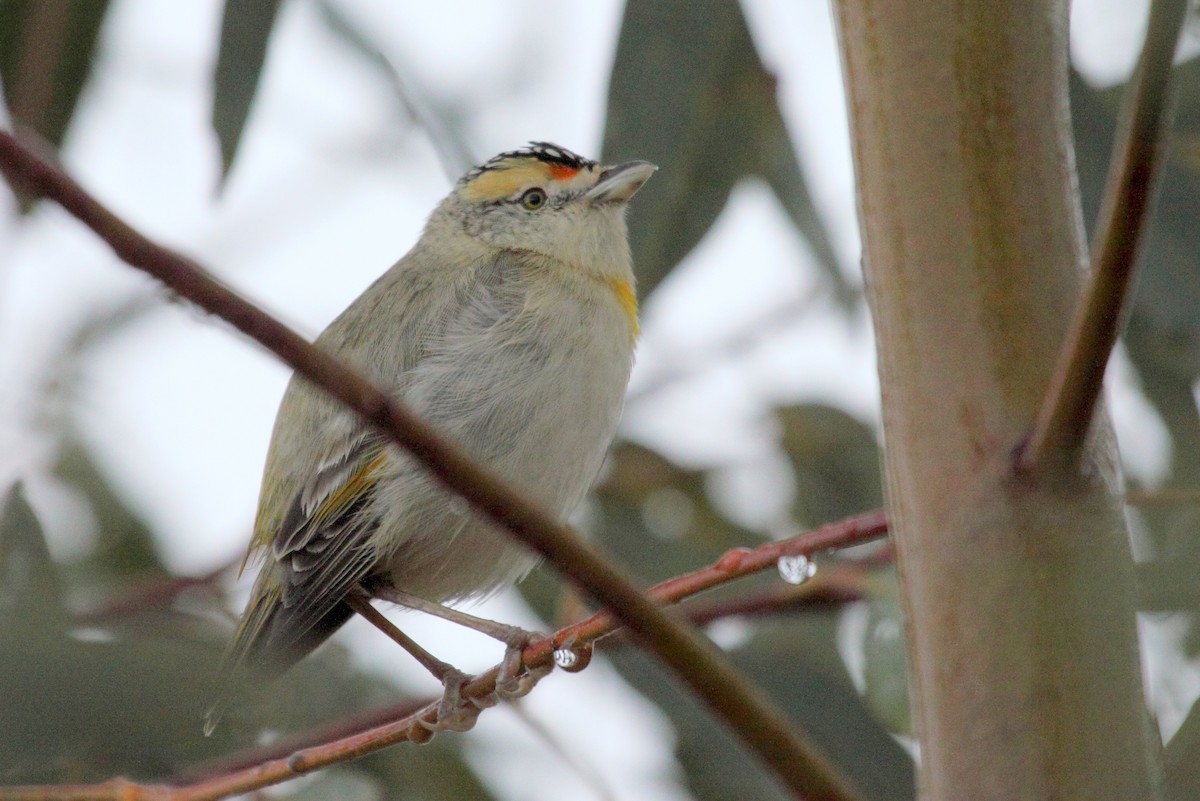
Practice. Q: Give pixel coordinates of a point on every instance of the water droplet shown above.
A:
(796, 569)
(573, 658)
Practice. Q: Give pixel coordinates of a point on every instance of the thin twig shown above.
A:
(785, 750)
(151, 596)
(1066, 414)
(832, 587)
(732, 565)
(839, 583)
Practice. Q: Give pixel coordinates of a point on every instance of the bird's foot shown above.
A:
(516, 679)
(455, 711)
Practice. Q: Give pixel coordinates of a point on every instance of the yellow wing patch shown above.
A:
(358, 485)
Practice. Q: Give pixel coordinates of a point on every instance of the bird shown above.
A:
(510, 327)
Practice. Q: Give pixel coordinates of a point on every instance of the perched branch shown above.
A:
(414, 726)
(833, 587)
(1066, 414)
(789, 753)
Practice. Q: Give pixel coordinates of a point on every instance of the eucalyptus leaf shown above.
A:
(886, 664)
(1181, 759)
(125, 544)
(46, 56)
(1163, 331)
(246, 27)
(791, 659)
(30, 588)
(836, 462)
(689, 93)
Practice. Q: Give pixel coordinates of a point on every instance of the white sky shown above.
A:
(333, 185)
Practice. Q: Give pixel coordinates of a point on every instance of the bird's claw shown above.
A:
(454, 712)
(516, 679)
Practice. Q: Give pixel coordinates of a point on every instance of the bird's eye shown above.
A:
(533, 199)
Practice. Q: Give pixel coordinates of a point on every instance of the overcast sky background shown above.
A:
(331, 186)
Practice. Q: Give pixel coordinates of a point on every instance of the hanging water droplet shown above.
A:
(796, 569)
(573, 658)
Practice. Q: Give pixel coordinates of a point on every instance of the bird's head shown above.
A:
(548, 201)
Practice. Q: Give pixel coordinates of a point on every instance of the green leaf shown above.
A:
(796, 663)
(886, 664)
(689, 93)
(1185, 83)
(29, 584)
(245, 33)
(125, 544)
(835, 460)
(1181, 759)
(46, 51)
(655, 517)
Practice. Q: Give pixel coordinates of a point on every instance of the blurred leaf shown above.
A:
(342, 783)
(794, 658)
(886, 665)
(1164, 328)
(90, 706)
(836, 462)
(820, 696)
(657, 517)
(125, 544)
(1186, 85)
(791, 659)
(436, 771)
(245, 34)
(1163, 333)
(128, 699)
(46, 49)
(29, 585)
(1181, 760)
(689, 93)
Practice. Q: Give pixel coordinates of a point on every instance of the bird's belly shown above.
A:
(540, 412)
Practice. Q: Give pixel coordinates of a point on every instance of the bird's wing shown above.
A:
(320, 546)
(323, 546)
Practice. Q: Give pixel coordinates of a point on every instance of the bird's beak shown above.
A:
(618, 183)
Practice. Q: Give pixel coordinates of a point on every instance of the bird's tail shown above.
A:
(267, 642)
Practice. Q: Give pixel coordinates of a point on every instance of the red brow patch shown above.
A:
(561, 172)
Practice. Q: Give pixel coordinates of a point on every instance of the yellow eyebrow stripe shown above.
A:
(629, 303)
(501, 182)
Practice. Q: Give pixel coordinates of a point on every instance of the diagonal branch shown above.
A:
(413, 726)
(786, 751)
(1067, 410)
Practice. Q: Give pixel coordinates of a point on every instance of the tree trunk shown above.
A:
(1019, 593)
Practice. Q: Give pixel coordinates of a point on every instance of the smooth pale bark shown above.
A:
(1022, 640)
